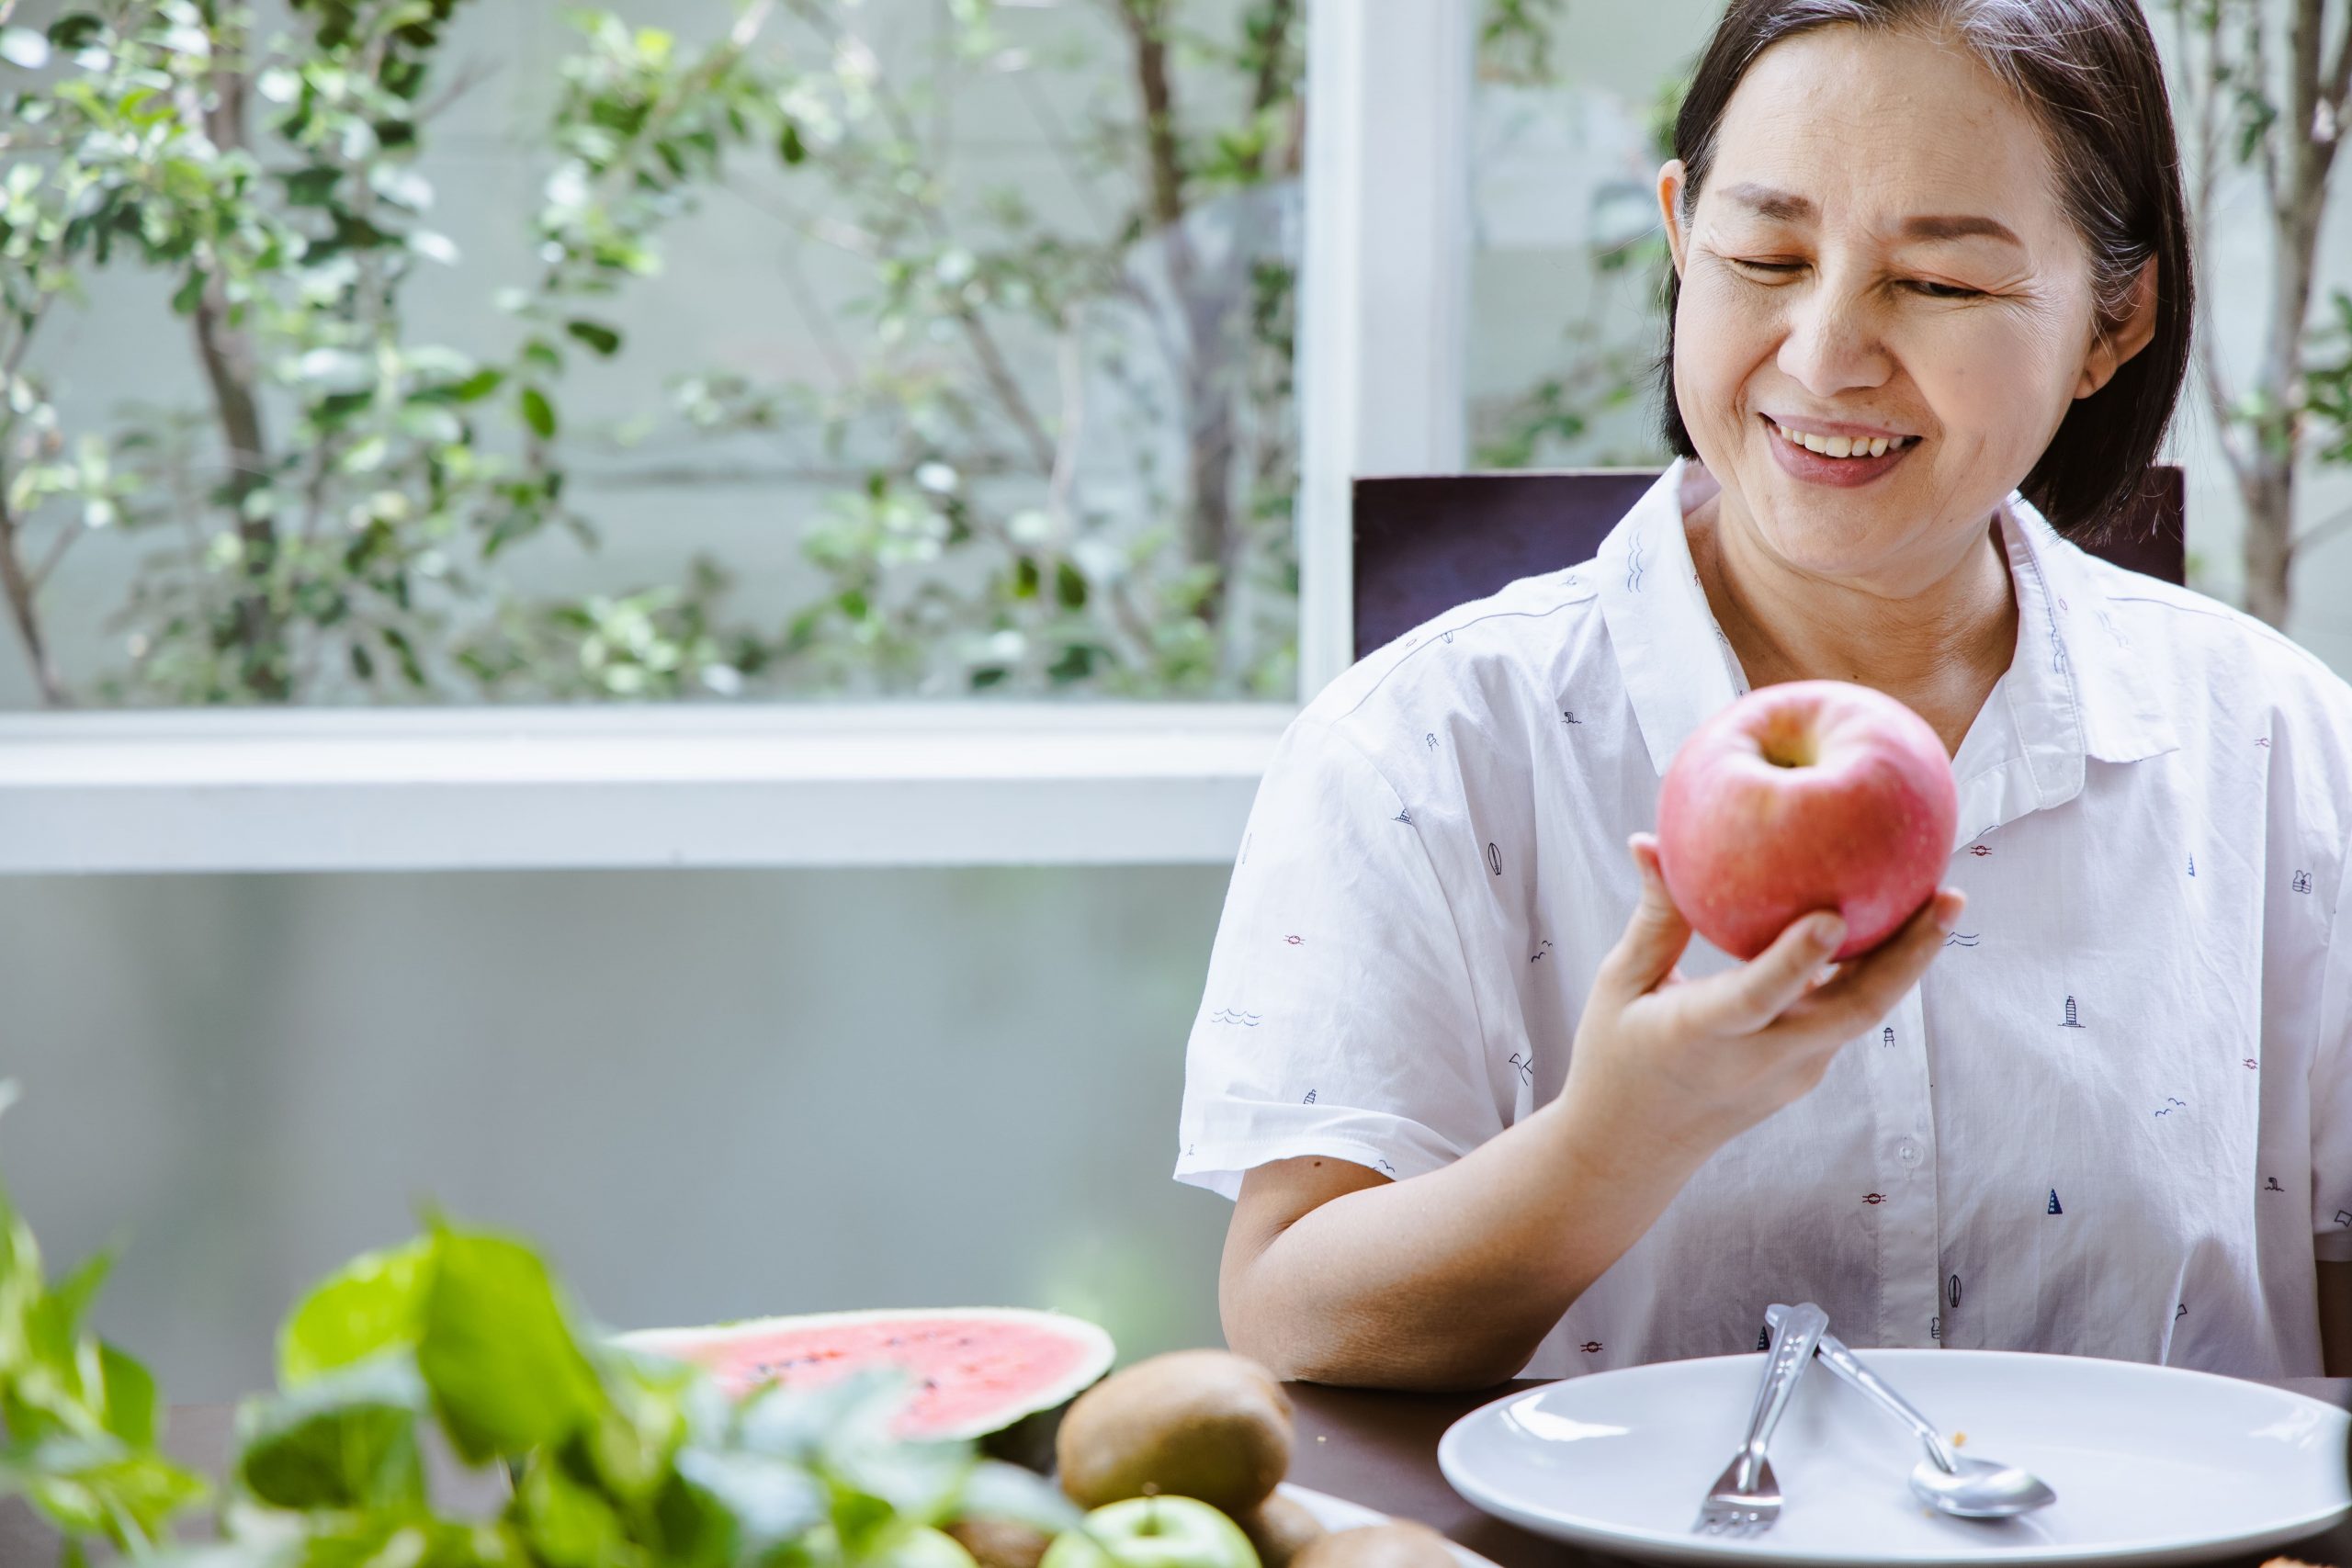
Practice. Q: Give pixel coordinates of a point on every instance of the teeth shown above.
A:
(1840, 445)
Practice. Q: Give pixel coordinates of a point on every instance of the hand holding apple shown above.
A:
(1811, 795)
(1664, 1070)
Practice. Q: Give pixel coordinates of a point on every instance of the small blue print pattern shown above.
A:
(2302, 882)
(2053, 1208)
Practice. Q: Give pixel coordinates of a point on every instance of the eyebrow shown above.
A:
(1787, 207)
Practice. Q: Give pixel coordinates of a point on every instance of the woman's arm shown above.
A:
(1452, 1278)
(2335, 1319)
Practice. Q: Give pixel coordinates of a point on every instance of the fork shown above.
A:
(1746, 1499)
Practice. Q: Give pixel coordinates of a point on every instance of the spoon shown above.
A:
(1965, 1488)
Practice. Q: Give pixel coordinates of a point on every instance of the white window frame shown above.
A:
(1381, 339)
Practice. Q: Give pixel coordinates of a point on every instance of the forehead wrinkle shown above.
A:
(1835, 106)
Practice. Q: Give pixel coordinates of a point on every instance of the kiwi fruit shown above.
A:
(1400, 1543)
(1205, 1424)
(996, 1542)
(1279, 1528)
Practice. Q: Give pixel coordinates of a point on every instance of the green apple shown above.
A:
(929, 1548)
(1153, 1532)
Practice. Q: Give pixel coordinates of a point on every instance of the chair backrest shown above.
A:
(1428, 542)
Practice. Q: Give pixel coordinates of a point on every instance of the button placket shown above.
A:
(1910, 1265)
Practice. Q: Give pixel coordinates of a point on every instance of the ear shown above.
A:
(2126, 337)
(1669, 203)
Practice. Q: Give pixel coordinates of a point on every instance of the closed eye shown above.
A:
(1931, 290)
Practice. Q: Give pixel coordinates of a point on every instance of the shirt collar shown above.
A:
(2073, 692)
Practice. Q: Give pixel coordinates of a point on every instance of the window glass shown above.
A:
(1571, 117)
(493, 352)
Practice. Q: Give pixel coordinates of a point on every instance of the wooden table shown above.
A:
(1379, 1449)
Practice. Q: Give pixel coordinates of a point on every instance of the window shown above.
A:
(421, 570)
(910, 348)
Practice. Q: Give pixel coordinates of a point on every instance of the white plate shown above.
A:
(2151, 1464)
(1339, 1513)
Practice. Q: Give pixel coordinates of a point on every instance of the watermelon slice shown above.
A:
(1000, 1374)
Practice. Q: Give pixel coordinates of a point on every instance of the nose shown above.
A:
(1834, 343)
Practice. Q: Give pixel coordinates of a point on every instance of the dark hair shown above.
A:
(2089, 72)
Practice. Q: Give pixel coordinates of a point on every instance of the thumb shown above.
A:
(1653, 939)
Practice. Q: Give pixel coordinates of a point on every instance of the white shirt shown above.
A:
(2114, 1118)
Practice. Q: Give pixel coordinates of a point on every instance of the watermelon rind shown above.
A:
(1020, 1429)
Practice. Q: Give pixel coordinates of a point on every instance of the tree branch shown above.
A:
(982, 342)
(19, 590)
(2325, 529)
(2206, 97)
(1271, 83)
(1163, 150)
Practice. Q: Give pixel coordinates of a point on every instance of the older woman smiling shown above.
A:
(1485, 1105)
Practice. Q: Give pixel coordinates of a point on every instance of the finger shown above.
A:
(1654, 938)
(1866, 988)
(1742, 1000)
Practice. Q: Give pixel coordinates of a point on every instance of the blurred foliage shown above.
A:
(336, 525)
(1042, 455)
(464, 1339)
(1609, 350)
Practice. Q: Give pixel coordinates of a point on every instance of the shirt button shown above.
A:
(1907, 1152)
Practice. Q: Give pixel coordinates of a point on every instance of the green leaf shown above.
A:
(24, 47)
(411, 667)
(474, 387)
(311, 186)
(771, 1500)
(596, 335)
(75, 30)
(498, 1353)
(567, 1521)
(1007, 1492)
(345, 1440)
(539, 413)
(789, 146)
(133, 1408)
(373, 1304)
(337, 370)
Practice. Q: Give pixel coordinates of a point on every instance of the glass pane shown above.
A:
(921, 347)
(1570, 119)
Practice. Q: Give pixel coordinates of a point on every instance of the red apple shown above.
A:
(1812, 795)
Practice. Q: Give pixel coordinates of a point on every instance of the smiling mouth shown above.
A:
(1838, 447)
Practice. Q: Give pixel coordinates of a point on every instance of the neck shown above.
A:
(1937, 639)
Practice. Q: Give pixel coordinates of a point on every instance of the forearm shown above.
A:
(1452, 1278)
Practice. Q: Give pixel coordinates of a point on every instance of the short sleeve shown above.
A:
(2331, 1096)
(1339, 1017)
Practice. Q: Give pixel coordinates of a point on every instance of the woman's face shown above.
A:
(1879, 249)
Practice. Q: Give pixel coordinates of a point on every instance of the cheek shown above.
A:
(1721, 335)
(2007, 376)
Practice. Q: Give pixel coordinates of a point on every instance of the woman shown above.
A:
(1487, 1108)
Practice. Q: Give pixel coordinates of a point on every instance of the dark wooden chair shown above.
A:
(1428, 542)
